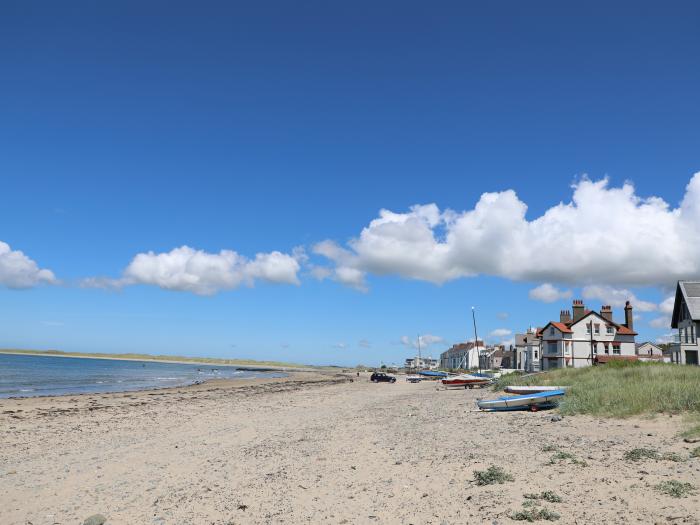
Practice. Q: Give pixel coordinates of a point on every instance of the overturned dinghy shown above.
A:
(532, 402)
(531, 389)
(466, 381)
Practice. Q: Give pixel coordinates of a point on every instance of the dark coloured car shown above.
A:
(381, 377)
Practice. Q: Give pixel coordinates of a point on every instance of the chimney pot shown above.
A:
(629, 318)
(578, 309)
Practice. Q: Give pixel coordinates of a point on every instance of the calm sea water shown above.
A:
(27, 376)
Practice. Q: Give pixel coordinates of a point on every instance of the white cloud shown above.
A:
(340, 346)
(547, 293)
(605, 235)
(19, 271)
(617, 297)
(666, 338)
(499, 333)
(203, 273)
(667, 304)
(425, 341)
(661, 322)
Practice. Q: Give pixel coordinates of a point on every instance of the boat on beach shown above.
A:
(414, 379)
(532, 402)
(531, 389)
(466, 381)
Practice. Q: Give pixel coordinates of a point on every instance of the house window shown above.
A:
(535, 354)
(552, 348)
(595, 348)
(610, 330)
(551, 330)
(616, 348)
(566, 347)
(607, 348)
(588, 328)
(597, 329)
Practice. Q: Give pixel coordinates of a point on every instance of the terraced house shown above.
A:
(686, 319)
(586, 337)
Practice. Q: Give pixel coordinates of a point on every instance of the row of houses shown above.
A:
(583, 337)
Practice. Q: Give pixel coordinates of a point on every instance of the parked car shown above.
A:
(381, 377)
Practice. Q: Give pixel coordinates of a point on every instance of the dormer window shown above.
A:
(610, 330)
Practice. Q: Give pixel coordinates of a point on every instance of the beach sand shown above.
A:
(316, 448)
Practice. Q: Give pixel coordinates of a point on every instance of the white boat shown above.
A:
(531, 389)
(529, 401)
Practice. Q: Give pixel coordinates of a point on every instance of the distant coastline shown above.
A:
(243, 364)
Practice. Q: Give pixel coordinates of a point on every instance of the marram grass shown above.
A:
(621, 389)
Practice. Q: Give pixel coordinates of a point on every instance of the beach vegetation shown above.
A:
(492, 476)
(546, 495)
(695, 453)
(675, 488)
(532, 514)
(621, 389)
(639, 454)
(550, 448)
(566, 456)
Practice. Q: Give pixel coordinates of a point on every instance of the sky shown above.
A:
(324, 182)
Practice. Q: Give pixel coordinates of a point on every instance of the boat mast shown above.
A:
(420, 359)
(476, 340)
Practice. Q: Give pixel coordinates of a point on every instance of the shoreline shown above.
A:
(250, 367)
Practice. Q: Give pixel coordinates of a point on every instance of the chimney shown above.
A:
(629, 323)
(606, 312)
(578, 309)
(565, 316)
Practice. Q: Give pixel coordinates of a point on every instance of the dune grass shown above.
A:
(621, 389)
(148, 357)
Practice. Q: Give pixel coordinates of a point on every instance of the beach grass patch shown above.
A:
(675, 488)
(492, 476)
(550, 448)
(639, 454)
(535, 514)
(546, 495)
(672, 456)
(566, 456)
(621, 389)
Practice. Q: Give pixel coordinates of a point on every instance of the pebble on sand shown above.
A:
(95, 519)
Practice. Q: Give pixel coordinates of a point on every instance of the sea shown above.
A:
(32, 375)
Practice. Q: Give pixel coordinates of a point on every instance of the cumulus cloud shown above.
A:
(548, 293)
(424, 340)
(19, 271)
(661, 322)
(604, 235)
(499, 333)
(617, 297)
(203, 273)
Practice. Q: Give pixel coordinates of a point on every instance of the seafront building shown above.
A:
(586, 337)
(526, 351)
(422, 363)
(686, 319)
(462, 355)
(650, 352)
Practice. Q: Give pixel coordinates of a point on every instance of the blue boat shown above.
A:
(430, 373)
(532, 402)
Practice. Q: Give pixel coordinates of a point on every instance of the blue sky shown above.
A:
(268, 128)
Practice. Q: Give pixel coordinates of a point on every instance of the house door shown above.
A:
(691, 357)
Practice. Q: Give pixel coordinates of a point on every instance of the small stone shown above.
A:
(556, 418)
(95, 519)
(691, 440)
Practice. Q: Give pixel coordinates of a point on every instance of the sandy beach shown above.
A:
(317, 448)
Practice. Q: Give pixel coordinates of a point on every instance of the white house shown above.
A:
(422, 363)
(686, 318)
(586, 338)
(649, 352)
(462, 355)
(527, 351)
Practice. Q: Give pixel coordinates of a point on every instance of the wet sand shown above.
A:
(316, 448)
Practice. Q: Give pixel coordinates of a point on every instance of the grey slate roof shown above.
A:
(689, 293)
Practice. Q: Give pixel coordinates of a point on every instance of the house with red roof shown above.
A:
(587, 337)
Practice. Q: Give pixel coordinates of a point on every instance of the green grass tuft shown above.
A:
(535, 514)
(491, 476)
(676, 489)
(564, 456)
(638, 454)
(546, 495)
(550, 448)
(621, 389)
